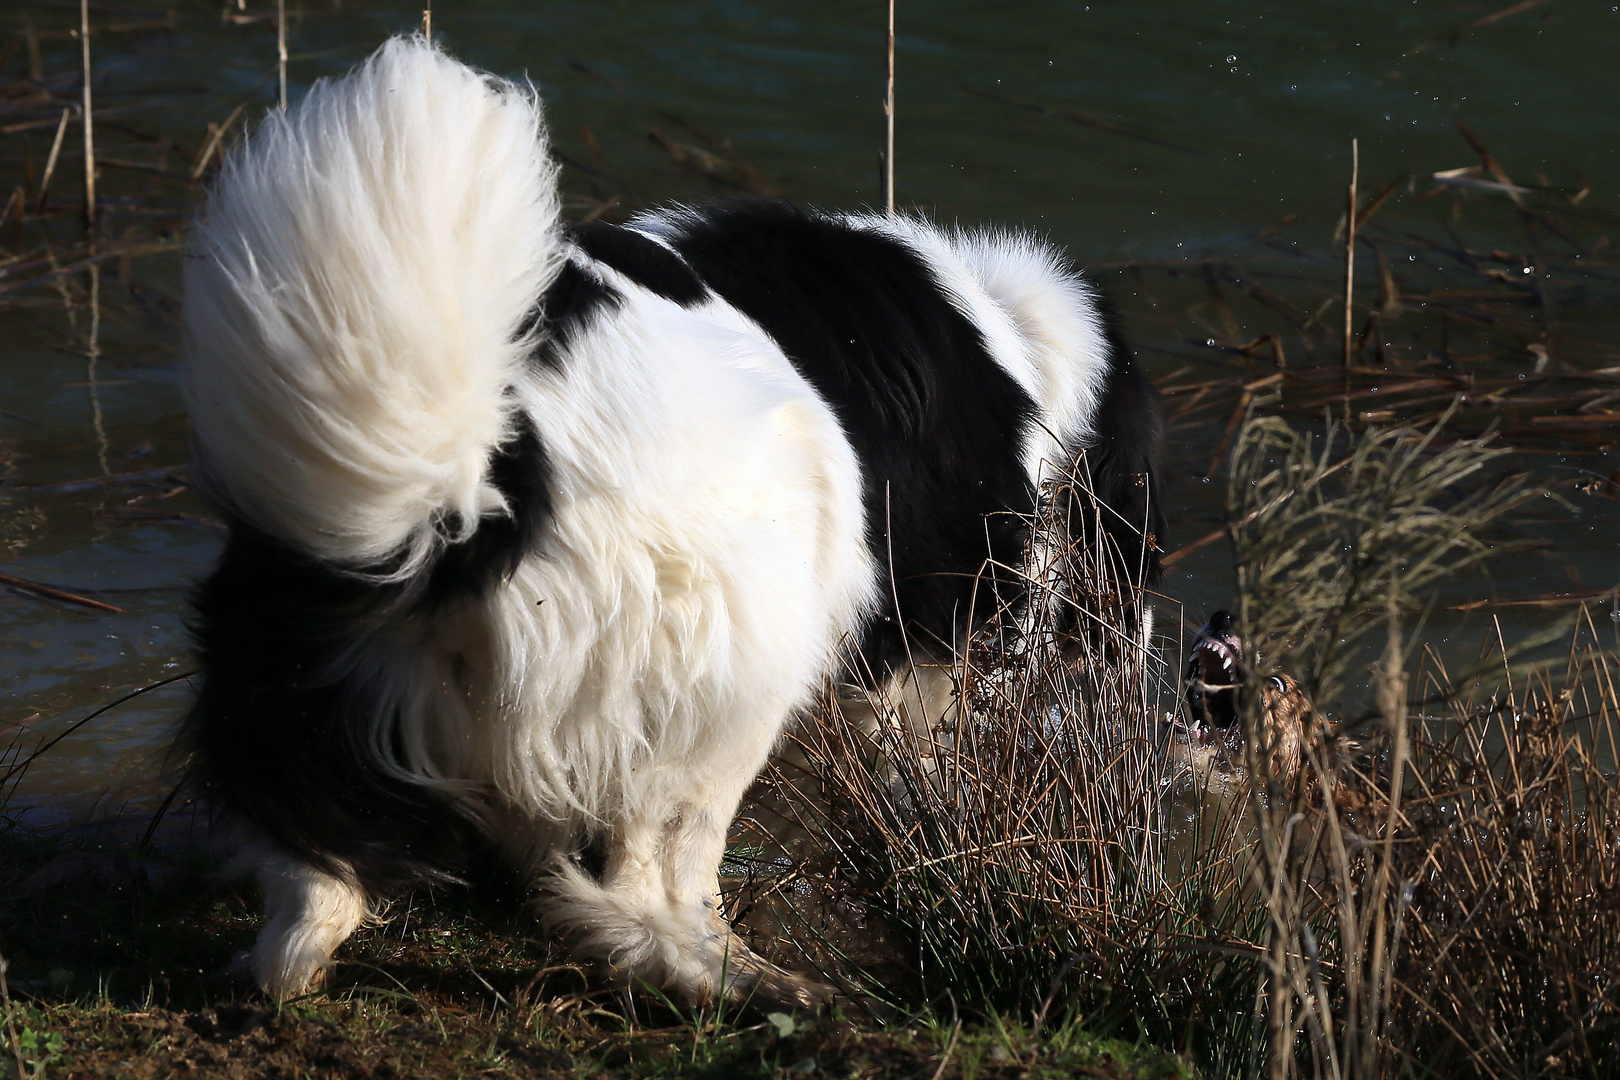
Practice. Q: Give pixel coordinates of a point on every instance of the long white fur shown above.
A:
(353, 299)
(705, 559)
(353, 290)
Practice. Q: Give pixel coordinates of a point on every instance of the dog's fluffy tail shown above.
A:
(357, 294)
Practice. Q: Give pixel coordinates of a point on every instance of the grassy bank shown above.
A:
(118, 967)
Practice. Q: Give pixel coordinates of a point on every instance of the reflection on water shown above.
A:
(1165, 132)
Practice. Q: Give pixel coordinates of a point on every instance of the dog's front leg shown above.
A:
(310, 914)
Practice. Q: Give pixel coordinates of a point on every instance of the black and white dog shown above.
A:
(540, 534)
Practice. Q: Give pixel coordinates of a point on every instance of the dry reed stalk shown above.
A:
(281, 50)
(1350, 258)
(92, 352)
(36, 67)
(888, 113)
(54, 593)
(50, 161)
(216, 132)
(1363, 1029)
(17, 199)
(427, 22)
(89, 119)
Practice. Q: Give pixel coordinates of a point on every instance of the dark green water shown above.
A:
(1162, 131)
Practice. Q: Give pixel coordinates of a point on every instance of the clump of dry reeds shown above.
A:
(1333, 546)
(1023, 858)
(1508, 858)
(1451, 908)
(1438, 897)
(1332, 529)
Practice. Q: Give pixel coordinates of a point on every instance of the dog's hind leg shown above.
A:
(310, 914)
(718, 960)
(653, 914)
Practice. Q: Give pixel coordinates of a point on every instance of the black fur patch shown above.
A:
(937, 424)
(289, 733)
(286, 731)
(575, 298)
(644, 261)
(520, 471)
(1120, 522)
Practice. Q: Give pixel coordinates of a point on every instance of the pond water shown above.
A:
(1146, 134)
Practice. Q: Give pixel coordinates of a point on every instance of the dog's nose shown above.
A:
(1220, 622)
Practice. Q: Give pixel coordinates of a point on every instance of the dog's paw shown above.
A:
(779, 987)
(755, 981)
(282, 976)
